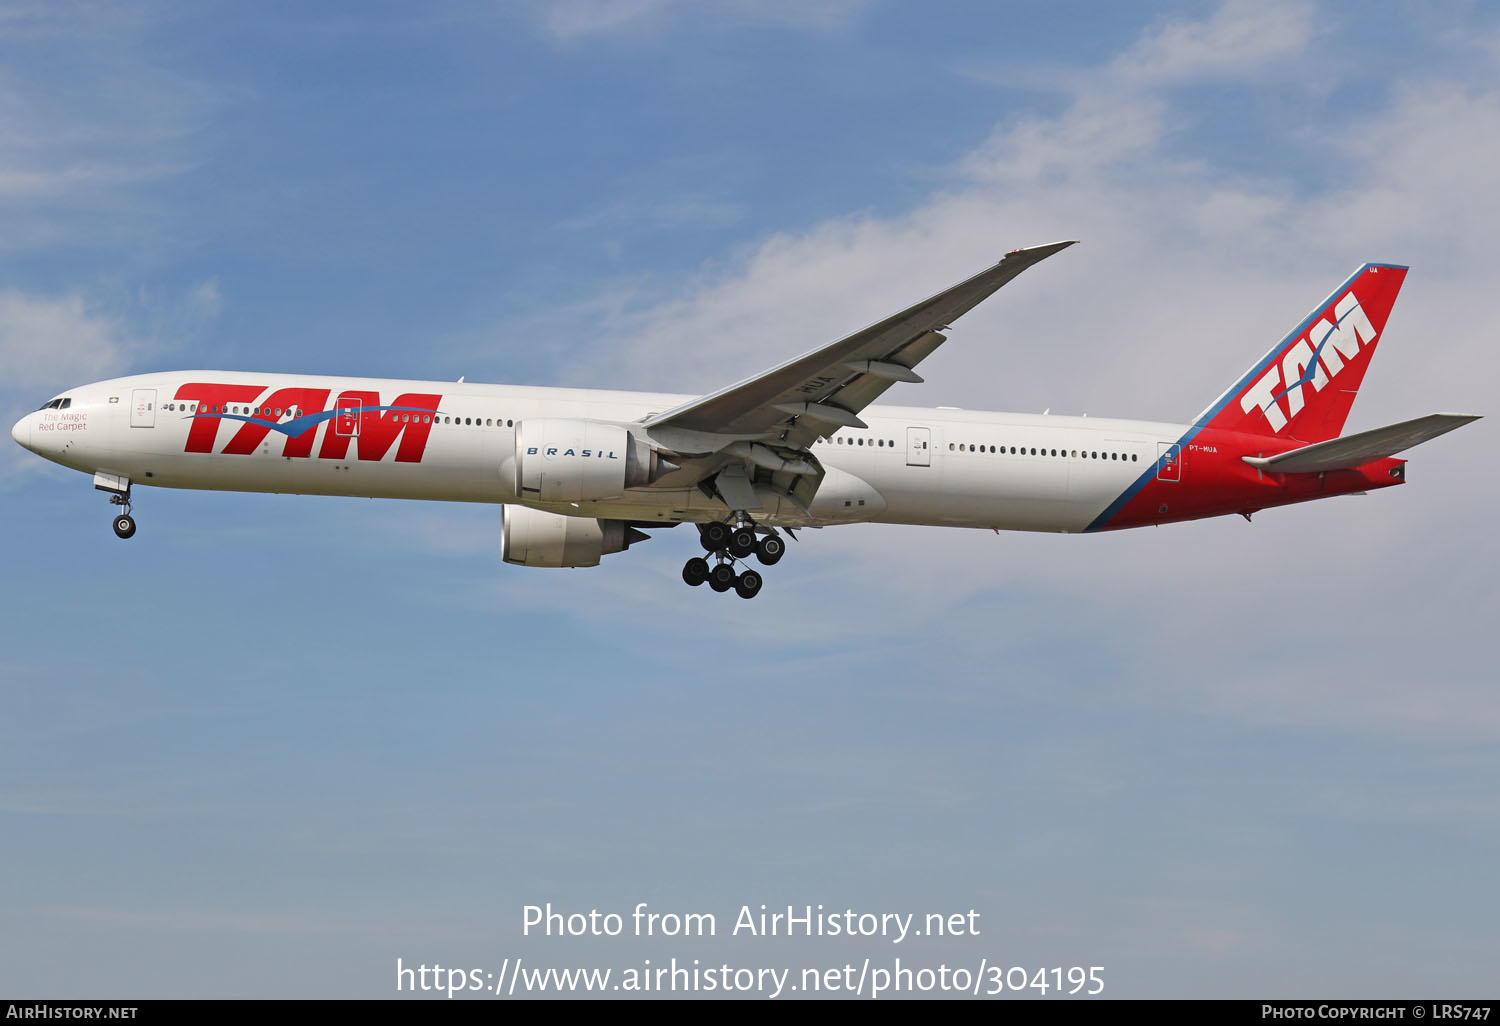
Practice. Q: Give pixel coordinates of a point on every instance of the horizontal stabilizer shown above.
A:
(1356, 450)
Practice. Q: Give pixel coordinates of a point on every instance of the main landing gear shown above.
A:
(728, 545)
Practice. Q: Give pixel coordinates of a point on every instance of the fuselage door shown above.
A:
(918, 447)
(143, 407)
(346, 421)
(1169, 462)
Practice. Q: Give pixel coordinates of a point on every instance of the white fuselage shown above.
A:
(943, 467)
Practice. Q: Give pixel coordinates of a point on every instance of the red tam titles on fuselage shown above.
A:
(359, 420)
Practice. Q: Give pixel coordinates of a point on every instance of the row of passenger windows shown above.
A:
(1013, 450)
(1076, 454)
(292, 411)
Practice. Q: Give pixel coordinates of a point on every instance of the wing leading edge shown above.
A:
(819, 392)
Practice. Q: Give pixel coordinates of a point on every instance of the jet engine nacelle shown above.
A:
(578, 460)
(533, 537)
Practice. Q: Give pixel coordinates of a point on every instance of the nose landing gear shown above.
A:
(119, 495)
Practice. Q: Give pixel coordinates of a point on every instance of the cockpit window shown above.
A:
(56, 404)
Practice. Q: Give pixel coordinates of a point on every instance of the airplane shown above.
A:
(585, 473)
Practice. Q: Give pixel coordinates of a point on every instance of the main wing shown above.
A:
(815, 394)
(754, 437)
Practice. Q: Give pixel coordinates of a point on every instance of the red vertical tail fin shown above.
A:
(1303, 388)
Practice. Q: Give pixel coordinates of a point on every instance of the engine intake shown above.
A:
(534, 537)
(578, 460)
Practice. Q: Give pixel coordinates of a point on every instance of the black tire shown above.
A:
(695, 571)
(770, 550)
(742, 543)
(747, 584)
(124, 525)
(721, 577)
(714, 536)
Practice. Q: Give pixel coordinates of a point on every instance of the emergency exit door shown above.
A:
(143, 407)
(918, 447)
(346, 417)
(1169, 462)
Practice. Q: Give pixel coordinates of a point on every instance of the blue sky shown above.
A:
(276, 742)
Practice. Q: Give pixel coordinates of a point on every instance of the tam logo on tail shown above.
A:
(1303, 388)
(1306, 364)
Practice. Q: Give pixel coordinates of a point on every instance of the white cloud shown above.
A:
(51, 342)
(1241, 37)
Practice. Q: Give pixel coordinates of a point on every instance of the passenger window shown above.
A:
(950, 446)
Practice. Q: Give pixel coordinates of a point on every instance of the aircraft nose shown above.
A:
(22, 432)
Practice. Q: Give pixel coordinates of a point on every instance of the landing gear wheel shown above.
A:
(714, 536)
(747, 584)
(695, 571)
(770, 550)
(124, 525)
(742, 543)
(721, 577)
